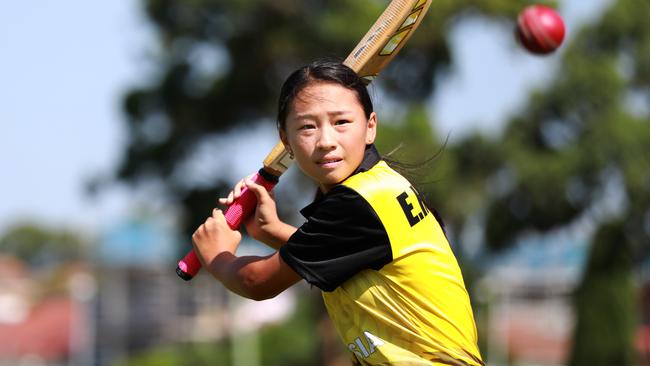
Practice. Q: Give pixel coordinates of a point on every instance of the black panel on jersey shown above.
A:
(342, 236)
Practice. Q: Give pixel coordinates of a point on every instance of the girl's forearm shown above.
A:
(246, 276)
(232, 272)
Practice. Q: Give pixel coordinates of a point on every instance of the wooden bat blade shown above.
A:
(386, 37)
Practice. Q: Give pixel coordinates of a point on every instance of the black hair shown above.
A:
(321, 71)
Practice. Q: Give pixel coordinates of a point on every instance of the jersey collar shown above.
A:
(370, 158)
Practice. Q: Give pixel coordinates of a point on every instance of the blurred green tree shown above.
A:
(606, 303)
(42, 247)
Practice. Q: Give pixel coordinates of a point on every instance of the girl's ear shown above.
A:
(371, 128)
(283, 138)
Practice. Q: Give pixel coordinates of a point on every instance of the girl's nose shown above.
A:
(326, 140)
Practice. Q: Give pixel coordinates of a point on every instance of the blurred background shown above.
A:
(121, 123)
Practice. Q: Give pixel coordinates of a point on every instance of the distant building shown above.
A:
(138, 243)
(526, 297)
(527, 293)
(45, 331)
(141, 303)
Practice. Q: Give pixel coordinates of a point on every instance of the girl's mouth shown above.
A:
(329, 163)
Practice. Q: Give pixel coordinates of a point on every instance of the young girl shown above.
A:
(389, 280)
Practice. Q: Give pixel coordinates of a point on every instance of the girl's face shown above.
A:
(327, 130)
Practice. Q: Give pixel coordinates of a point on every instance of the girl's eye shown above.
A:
(306, 127)
(342, 122)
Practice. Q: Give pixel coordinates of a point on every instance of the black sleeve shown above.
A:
(341, 237)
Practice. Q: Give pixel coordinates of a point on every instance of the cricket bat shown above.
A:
(375, 50)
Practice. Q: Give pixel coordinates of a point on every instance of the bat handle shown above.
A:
(239, 210)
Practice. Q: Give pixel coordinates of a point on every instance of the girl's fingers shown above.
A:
(259, 190)
(217, 214)
(236, 192)
(238, 188)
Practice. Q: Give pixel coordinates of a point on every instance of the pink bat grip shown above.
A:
(240, 209)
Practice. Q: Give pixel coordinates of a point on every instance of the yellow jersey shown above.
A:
(415, 310)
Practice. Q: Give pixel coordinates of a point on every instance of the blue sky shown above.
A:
(66, 65)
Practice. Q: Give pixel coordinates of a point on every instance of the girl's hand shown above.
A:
(263, 225)
(214, 237)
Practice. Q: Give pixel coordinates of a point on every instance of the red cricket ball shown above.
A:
(540, 29)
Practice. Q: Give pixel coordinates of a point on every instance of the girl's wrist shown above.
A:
(276, 234)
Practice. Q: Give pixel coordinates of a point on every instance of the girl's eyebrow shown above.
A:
(337, 113)
(314, 116)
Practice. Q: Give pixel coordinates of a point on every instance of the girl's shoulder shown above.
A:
(380, 179)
